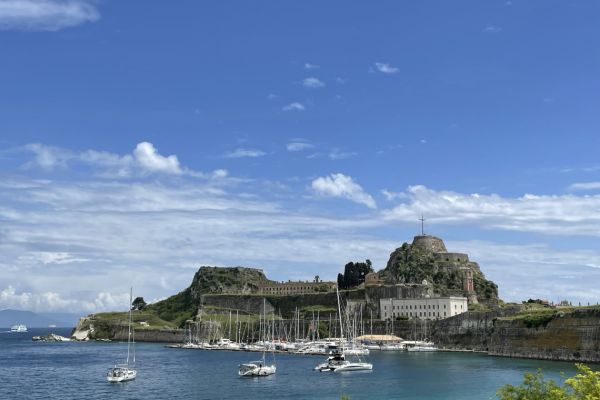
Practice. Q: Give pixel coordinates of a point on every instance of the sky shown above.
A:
(140, 140)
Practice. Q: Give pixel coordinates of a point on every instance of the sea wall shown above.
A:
(571, 336)
(150, 335)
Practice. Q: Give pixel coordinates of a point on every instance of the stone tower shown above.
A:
(429, 243)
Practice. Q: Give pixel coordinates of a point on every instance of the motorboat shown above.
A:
(20, 328)
(334, 361)
(354, 366)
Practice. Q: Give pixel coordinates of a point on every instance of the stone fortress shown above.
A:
(448, 290)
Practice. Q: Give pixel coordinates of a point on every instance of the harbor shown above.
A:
(173, 373)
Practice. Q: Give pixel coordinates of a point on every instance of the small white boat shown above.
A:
(393, 347)
(227, 344)
(354, 366)
(372, 346)
(421, 346)
(125, 372)
(256, 368)
(260, 367)
(18, 328)
(335, 360)
(356, 351)
(121, 373)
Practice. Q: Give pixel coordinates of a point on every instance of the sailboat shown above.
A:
(260, 367)
(421, 345)
(125, 372)
(338, 362)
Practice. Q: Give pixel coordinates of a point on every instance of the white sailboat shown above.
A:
(338, 362)
(125, 372)
(260, 367)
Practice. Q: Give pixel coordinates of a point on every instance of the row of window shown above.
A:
(421, 307)
(421, 314)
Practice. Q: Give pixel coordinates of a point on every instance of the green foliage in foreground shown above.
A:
(583, 386)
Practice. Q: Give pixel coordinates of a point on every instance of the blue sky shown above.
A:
(142, 140)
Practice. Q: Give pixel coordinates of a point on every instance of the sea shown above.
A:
(76, 370)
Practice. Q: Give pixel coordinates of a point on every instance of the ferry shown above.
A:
(18, 328)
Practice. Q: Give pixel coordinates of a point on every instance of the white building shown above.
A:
(423, 308)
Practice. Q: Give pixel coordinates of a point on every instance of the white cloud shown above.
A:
(52, 301)
(340, 185)
(341, 81)
(272, 96)
(149, 159)
(524, 271)
(295, 106)
(298, 146)
(492, 29)
(546, 214)
(220, 173)
(584, 186)
(145, 159)
(241, 153)
(48, 157)
(57, 236)
(45, 15)
(390, 196)
(386, 68)
(312, 83)
(310, 66)
(337, 154)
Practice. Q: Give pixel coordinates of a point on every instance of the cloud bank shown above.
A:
(45, 15)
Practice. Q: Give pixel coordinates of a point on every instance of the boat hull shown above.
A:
(122, 375)
(256, 370)
(354, 367)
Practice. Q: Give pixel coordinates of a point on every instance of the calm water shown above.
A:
(36, 370)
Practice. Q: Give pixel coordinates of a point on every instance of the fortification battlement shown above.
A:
(430, 243)
(451, 257)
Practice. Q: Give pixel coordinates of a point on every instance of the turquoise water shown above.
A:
(72, 370)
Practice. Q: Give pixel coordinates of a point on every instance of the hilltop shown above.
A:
(427, 259)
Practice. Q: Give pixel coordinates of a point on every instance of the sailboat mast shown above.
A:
(337, 291)
(129, 324)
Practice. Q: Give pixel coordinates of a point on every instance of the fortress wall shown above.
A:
(452, 257)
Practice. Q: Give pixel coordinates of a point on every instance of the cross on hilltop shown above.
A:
(422, 225)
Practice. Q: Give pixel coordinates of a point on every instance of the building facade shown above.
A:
(297, 287)
(423, 308)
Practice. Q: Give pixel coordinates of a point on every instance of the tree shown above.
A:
(354, 274)
(138, 304)
(583, 386)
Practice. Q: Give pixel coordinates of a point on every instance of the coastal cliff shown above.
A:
(513, 331)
